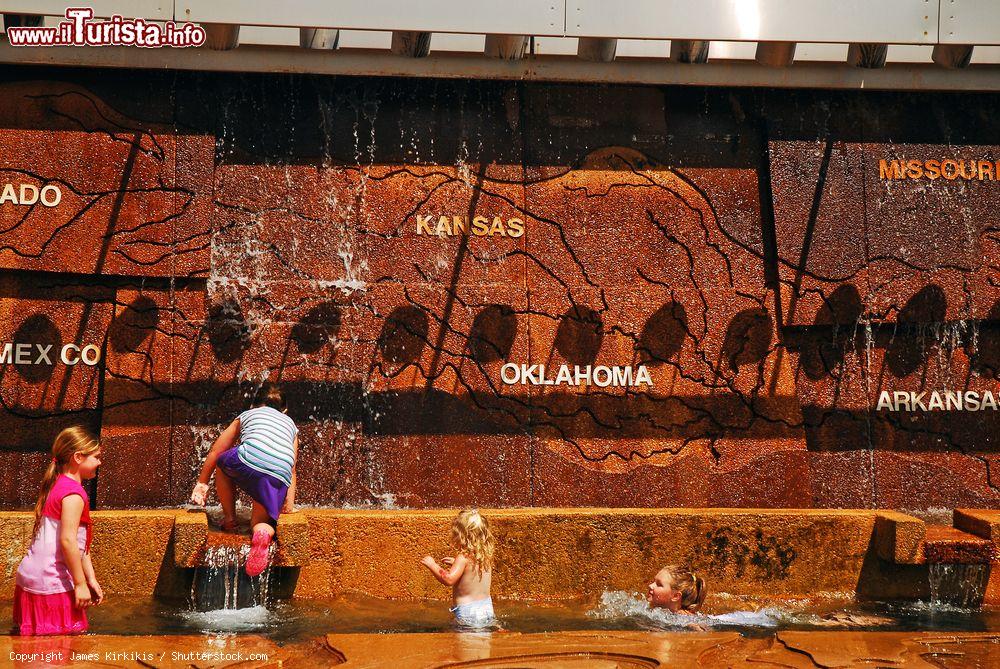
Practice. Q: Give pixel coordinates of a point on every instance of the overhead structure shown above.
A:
(571, 40)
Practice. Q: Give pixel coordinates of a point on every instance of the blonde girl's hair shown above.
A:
(72, 440)
(686, 581)
(471, 535)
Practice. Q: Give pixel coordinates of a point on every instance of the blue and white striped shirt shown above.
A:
(267, 438)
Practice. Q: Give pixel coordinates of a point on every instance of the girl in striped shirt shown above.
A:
(256, 454)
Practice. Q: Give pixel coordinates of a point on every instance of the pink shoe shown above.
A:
(257, 560)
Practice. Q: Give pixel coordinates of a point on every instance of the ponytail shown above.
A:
(69, 442)
(700, 592)
(48, 480)
(691, 586)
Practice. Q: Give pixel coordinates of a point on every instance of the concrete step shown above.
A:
(983, 523)
(194, 541)
(948, 545)
(904, 539)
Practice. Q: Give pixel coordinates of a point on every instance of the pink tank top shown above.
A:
(43, 570)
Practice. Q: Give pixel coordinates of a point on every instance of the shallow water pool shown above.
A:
(303, 619)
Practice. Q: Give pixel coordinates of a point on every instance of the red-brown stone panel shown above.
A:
(628, 265)
(115, 176)
(43, 319)
(136, 415)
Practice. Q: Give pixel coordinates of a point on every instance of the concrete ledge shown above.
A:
(983, 523)
(595, 648)
(551, 554)
(665, 649)
(194, 541)
(542, 554)
(899, 538)
(190, 533)
(948, 545)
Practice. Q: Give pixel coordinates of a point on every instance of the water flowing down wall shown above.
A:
(405, 256)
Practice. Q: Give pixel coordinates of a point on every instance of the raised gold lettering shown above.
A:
(890, 169)
(444, 225)
(480, 226)
(933, 169)
(50, 195)
(25, 198)
(424, 225)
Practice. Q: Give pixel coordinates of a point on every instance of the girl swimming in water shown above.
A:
(678, 589)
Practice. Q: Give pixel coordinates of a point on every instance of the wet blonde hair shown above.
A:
(470, 533)
(72, 440)
(686, 581)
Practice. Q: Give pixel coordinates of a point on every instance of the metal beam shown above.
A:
(844, 21)
(952, 55)
(516, 17)
(689, 51)
(775, 54)
(506, 47)
(892, 21)
(318, 38)
(651, 71)
(155, 10)
(221, 36)
(412, 44)
(597, 49)
(970, 22)
(867, 55)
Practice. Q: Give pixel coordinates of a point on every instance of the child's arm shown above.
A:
(289, 505)
(446, 576)
(95, 587)
(72, 510)
(226, 440)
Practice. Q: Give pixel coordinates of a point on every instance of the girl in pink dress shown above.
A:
(55, 581)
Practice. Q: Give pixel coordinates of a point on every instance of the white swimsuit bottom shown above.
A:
(475, 614)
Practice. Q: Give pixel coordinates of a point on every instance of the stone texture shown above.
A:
(691, 649)
(565, 554)
(898, 537)
(220, 230)
(199, 652)
(591, 649)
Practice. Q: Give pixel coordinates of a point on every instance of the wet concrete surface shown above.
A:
(569, 650)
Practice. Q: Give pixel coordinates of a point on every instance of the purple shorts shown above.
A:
(265, 489)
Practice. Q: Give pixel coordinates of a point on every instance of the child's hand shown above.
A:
(428, 562)
(81, 596)
(448, 561)
(199, 494)
(95, 589)
(288, 507)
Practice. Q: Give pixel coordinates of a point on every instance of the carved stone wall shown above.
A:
(382, 248)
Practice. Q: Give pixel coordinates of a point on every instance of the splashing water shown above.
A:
(228, 620)
(621, 606)
(222, 592)
(958, 585)
(618, 605)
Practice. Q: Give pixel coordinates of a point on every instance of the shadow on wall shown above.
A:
(405, 335)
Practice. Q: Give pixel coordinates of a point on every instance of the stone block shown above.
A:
(190, 534)
(983, 523)
(899, 537)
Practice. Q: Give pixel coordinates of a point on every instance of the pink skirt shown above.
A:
(47, 614)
